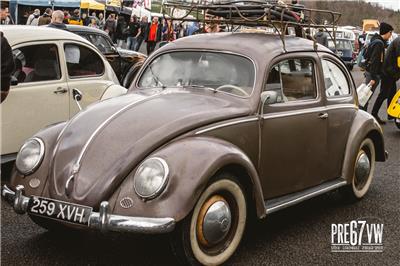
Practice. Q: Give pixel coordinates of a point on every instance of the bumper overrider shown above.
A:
(101, 220)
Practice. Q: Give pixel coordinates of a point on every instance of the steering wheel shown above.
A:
(230, 86)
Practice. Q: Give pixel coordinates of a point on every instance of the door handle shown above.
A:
(60, 90)
(323, 115)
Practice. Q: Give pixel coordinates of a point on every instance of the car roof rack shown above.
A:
(253, 13)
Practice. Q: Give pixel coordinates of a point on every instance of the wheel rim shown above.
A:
(362, 171)
(214, 221)
(364, 168)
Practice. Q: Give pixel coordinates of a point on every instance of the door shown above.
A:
(86, 72)
(293, 128)
(339, 91)
(39, 99)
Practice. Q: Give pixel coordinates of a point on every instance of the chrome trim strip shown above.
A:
(102, 125)
(307, 111)
(101, 220)
(226, 124)
(299, 199)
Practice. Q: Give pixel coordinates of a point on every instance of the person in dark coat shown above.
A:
(143, 26)
(45, 19)
(57, 19)
(321, 37)
(153, 35)
(374, 56)
(120, 31)
(390, 75)
(110, 26)
(7, 66)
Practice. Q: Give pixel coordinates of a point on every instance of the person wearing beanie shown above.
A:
(374, 55)
(390, 75)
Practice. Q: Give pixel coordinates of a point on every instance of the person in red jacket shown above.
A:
(153, 34)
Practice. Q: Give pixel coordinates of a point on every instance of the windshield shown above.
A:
(340, 45)
(218, 71)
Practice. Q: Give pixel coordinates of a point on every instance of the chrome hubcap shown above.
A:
(363, 168)
(217, 222)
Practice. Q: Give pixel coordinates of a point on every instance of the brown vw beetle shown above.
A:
(215, 125)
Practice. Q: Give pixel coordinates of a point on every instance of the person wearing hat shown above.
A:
(390, 75)
(374, 55)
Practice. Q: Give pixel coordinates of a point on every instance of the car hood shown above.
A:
(101, 145)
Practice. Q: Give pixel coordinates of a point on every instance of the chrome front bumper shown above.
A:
(101, 220)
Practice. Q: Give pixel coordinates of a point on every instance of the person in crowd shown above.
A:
(191, 28)
(120, 31)
(361, 40)
(66, 17)
(33, 18)
(45, 19)
(374, 55)
(143, 26)
(57, 19)
(321, 37)
(133, 33)
(390, 75)
(85, 19)
(5, 17)
(93, 23)
(7, 66)
(153, 34)
(75, 19)
(110, 26)
(168, 33)
(101, 21)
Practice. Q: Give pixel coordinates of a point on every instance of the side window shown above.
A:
(82, 61)
(101, 43)
(36, 63)
(291, 80)
(335, 80)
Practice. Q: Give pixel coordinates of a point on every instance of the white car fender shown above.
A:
(113, 91)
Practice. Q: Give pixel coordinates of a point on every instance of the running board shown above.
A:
(283, 202)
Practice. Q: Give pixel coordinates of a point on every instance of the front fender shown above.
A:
(364, 126)
(49, 136)
(192, 162)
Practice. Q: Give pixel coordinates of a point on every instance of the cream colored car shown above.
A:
(50, 65)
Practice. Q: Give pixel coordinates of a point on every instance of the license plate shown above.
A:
(59, 210)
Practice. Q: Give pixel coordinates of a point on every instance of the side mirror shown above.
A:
(13, 81)
(269, 97)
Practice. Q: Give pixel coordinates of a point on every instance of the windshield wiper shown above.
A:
(157, 79)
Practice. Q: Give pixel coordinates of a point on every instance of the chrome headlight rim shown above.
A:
(41, 156)
(157, 192)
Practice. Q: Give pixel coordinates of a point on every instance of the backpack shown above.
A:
(365, 55)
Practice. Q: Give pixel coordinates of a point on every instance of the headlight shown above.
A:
(151, 178)
(30, 156)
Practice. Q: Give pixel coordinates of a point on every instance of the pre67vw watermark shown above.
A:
(357, 236)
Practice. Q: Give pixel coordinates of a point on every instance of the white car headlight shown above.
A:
(30, 156)
(151, 178)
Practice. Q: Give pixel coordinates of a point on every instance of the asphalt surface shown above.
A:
(299, 235)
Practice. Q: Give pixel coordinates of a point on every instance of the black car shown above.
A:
(344, 49)
(124, 62)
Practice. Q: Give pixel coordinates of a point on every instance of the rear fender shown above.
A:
(364, 126)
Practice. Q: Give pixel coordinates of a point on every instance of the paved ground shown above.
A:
(296, 236)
